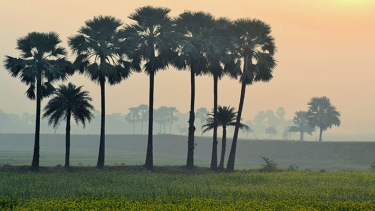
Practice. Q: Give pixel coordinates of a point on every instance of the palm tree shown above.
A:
(153, 37)
(226, 116)
(69, 101)
(42, 62)
(202, 115)
(101, 57)
(322, 114)
(143, 110)
(220, 62)
(171, 117)
(255, 47)
(271, 131)
(196, 39)
(301, 125)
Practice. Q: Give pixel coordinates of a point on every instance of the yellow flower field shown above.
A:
(124, 190)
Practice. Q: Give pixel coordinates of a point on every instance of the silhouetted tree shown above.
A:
(133, 117)
(226, 116)
(255, 47)
(143, 111)
(271, 131)
(202, 115)
(42, 61)
(69, 101)
(171, 117)
(322, 114)
(196, 36)
(301, 125)
(100, 56)
(153, 36)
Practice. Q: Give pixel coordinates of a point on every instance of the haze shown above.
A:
(325, 48)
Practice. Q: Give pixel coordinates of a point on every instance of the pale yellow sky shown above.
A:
(325, 47)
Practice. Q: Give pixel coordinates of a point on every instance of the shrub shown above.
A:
(270, 166)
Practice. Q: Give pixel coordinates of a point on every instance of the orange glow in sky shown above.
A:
(325, 47)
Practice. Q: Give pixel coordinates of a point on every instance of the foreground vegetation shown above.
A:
(131, 188)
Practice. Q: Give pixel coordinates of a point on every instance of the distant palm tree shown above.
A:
(226, 116)
(256, 48)
(100, 56)
(202, 115)
(196, 36)
(69, 101)
(42, 62)
(133, 116)
(271, 131)
(154, 40)
(301, 125)
(322, 114)
(143, 110)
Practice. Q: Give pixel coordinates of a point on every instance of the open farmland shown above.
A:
(16, 149)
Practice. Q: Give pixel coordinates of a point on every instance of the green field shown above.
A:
(175, 188)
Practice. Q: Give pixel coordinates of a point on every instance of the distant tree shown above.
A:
(301, 125)
(133, 116)
(101, 57)
(153, 36)
(171, 117)
(322, 114)
(271, 131)
(143, 111)
(249, 130)
(69, 101)
(281, 113)
(182, 130)
(202, 115)
(226, 116)
(286, 133)
(42, 62)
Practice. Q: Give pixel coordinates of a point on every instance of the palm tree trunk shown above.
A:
(301, 136)
(35, 161)
(170, 127)
(149, 164)
(232, 155)
(214, 141)
(320, 134)
(67, 139)
(223, 147)
(190, 155)
(100, 163)
(133, 127)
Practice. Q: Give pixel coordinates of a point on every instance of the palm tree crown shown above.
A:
(322, 114)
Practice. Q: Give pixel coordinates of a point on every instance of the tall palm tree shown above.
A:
(101, 57)
(42, 61)
(226, 116)
(301, 124)
(69, 101)
(255, 47)
(322, 114)
(220, 62)
(154, 40)
(196, 39)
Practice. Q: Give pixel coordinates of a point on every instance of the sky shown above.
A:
(325, 48)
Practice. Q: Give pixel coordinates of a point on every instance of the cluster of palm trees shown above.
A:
(108, 52)
(321, 113)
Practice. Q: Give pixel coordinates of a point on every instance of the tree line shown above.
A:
(107, 52)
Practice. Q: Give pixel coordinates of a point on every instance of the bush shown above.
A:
(293, 167)
(270, 166)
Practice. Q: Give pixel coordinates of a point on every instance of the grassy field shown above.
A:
(16, 149)
(175, 188)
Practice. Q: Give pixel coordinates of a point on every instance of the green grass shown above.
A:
(176, 188)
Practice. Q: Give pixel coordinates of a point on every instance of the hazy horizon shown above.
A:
(324, 49)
